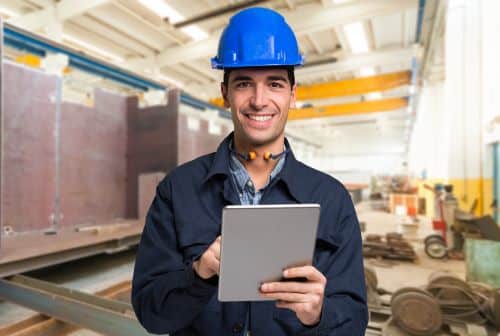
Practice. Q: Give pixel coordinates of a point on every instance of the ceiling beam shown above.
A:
(97, 27)
(61, 11)
(355, 62)
(205, 71)
(133, 28)
(315, 44)
(42, 3)
(69, 8)
(98, 41)
(319, 19)
(348, 109)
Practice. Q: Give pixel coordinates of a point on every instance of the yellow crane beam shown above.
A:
(373, 106)
(354, 87)
(348, 87)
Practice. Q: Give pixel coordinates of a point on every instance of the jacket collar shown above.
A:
(220, 164)
(294, 177)
(292, 173)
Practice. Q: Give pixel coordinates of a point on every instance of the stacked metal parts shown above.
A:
(394, 246)
(447, 305)
(446, 300)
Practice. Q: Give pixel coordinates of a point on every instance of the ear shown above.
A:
(223, 91)
(293, 97)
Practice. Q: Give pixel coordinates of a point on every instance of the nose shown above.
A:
(259, 98)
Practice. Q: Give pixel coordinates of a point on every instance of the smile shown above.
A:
(259, 117)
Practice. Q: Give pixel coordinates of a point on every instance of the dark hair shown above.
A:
(289, 70)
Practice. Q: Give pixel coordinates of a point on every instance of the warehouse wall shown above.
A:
(151, 144)
(198, 135)
(64, 163)
(92, 160)
(28, 191)
(449, 139)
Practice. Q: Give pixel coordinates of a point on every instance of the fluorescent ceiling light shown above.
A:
(8, 12)
(412, 89)
(374, 95)
(356, 36)
(171, 81)
(195, 32)
(367, 71)
(93, 48)
(163, 10)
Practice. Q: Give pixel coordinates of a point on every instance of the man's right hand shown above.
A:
(208, 264)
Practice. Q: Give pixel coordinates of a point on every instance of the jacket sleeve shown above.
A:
(167, 295)
(339, 256)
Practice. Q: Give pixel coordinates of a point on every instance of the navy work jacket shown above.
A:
(185, 218)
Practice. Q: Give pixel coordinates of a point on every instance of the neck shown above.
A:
(275, 147)
(259, 168)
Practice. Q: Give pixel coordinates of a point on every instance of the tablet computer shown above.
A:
(259, 242)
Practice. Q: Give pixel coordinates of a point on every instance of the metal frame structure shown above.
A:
(44, 260)
(103, 315)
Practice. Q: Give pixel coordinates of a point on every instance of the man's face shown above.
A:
(259, 100)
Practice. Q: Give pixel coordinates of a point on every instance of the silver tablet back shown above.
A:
(258, 242)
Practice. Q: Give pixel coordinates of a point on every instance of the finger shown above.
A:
(287, 297)
(288, 305)
(309, 272)
(211, 263)
(215, 248)
(295, 287)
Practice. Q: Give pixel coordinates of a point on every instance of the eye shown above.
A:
(277, 85)
(242, 85)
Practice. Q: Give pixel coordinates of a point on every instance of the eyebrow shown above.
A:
(241, 78)
(277, 78)
(269, 78)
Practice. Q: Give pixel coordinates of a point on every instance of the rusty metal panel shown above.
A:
(152, 143)
(197, 142)
(93, 160)
(147, 191)
(28, 148)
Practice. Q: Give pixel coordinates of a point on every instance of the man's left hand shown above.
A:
(304, 298)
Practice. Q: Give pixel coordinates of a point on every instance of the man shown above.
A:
(176, 272)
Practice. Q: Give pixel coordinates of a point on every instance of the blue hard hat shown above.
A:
(257, 37)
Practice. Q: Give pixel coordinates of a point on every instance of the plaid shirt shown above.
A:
(243, 183)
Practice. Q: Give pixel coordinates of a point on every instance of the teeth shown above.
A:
(260, 118)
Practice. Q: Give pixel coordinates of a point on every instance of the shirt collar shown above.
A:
(240, 173)
(292, 173)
